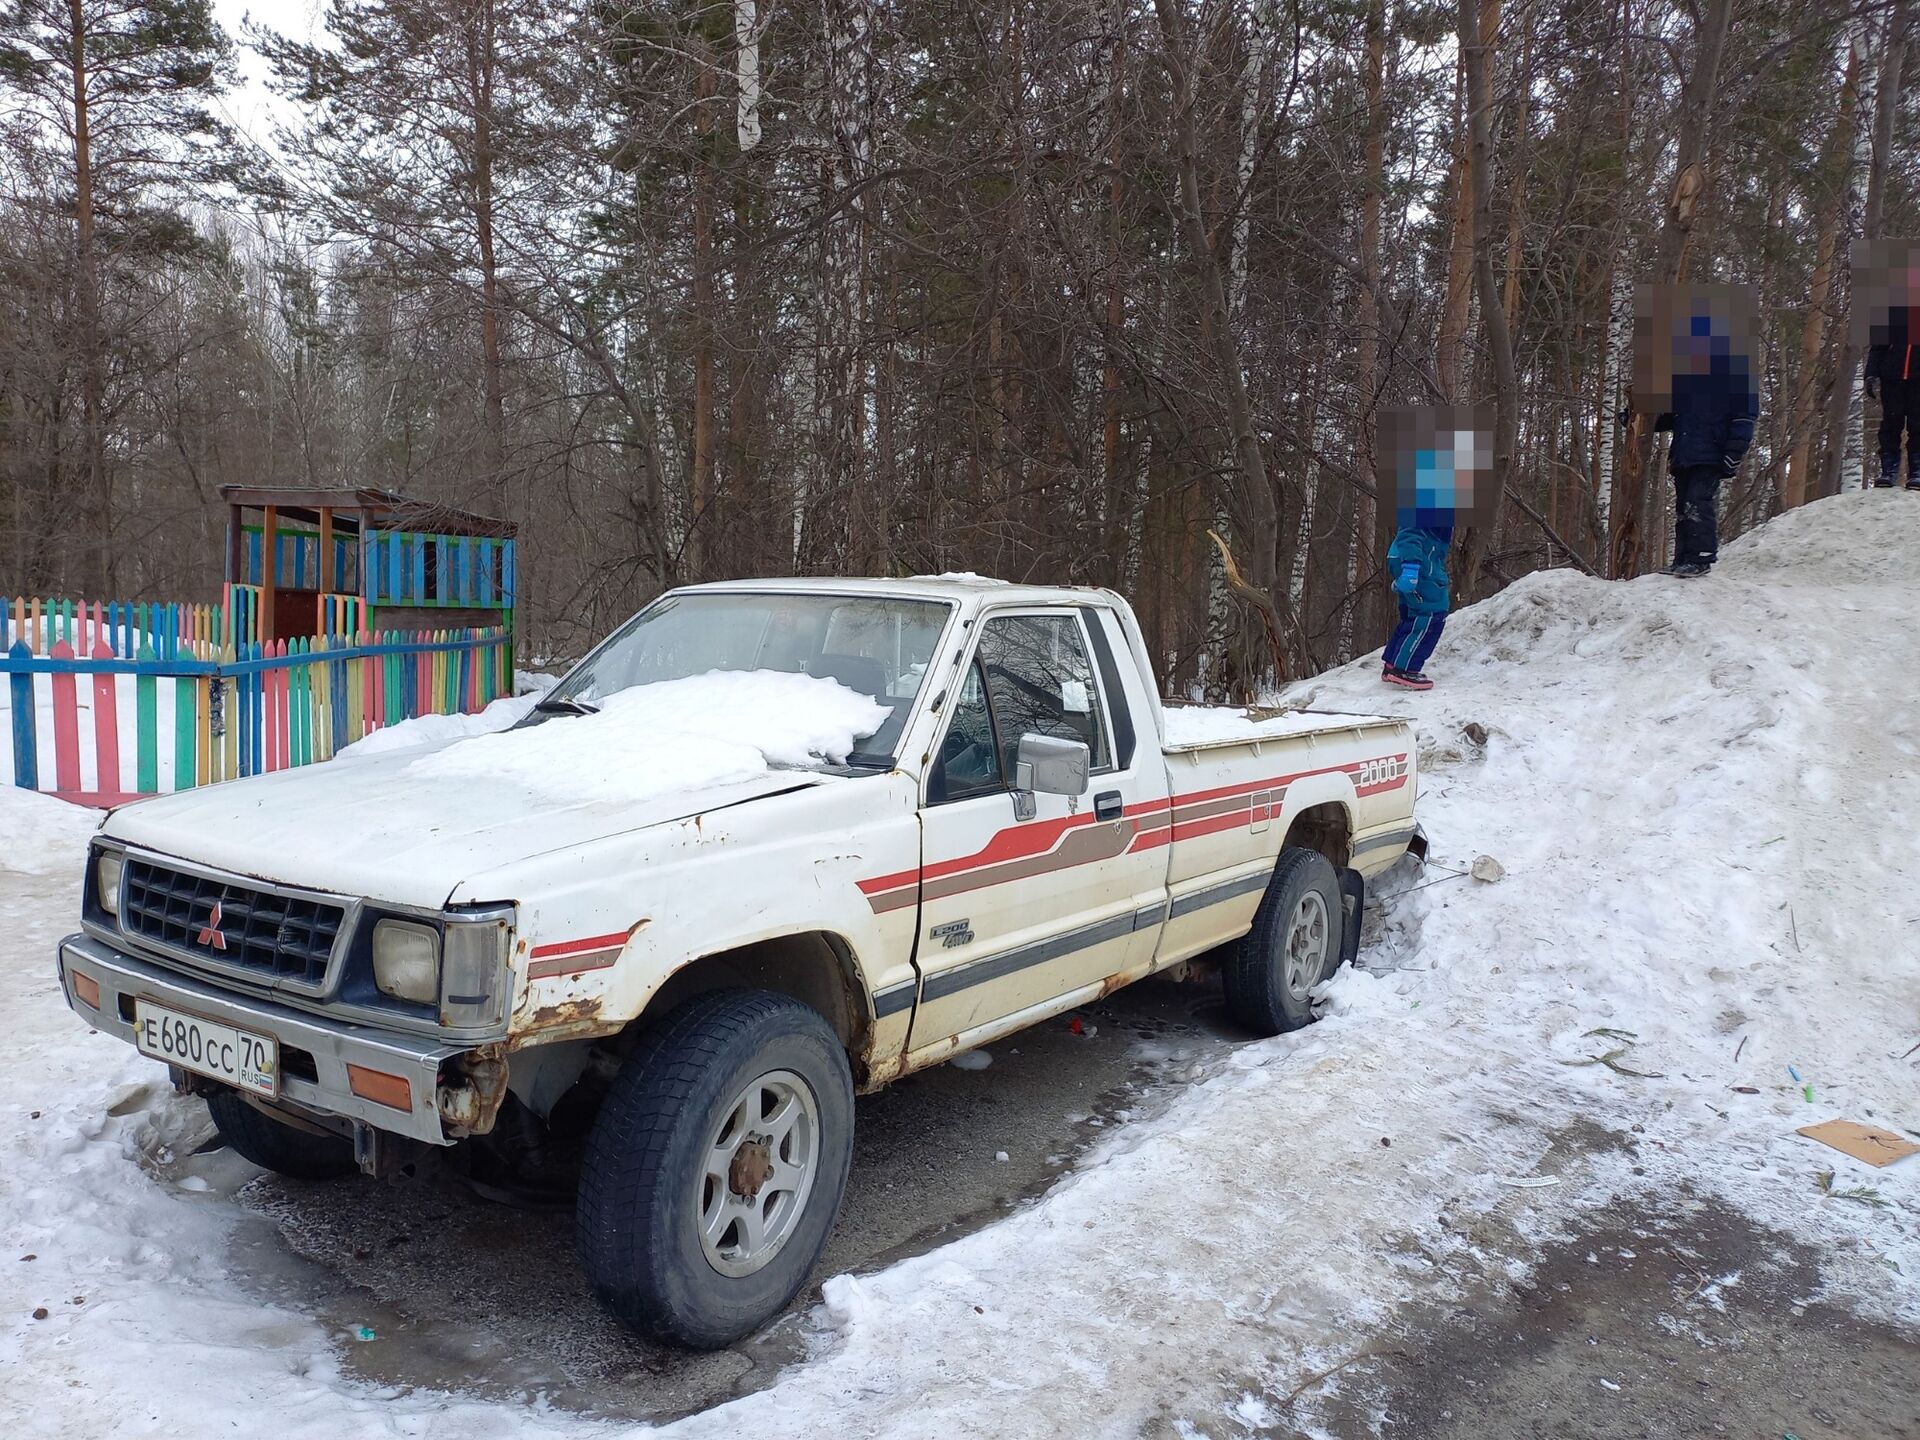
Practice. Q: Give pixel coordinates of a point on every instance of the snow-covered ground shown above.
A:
(1704, 796)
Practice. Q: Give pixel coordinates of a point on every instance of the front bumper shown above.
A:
(322, 1049)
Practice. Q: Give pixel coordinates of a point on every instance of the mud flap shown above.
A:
(1353, 904)
(1417, 846)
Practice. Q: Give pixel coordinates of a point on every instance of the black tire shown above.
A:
(644, 1180)
(1256, 972)
(257, 1136)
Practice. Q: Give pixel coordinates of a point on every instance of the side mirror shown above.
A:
(1045, 765)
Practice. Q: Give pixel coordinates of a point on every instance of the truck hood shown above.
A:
(369, 827)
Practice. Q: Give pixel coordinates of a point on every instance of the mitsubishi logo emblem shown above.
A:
(210, 932)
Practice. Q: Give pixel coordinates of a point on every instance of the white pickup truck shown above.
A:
(671, 1001)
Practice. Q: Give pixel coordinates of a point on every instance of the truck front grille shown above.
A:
(230, 925)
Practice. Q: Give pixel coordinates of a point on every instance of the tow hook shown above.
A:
(469, 1098)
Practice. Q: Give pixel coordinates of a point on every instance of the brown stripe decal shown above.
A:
(576, 964)
(1155, 822)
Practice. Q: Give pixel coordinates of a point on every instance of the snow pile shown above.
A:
(424, 730)
(1703, 795)
(1194, 725)
(713, 729)
(42, 835)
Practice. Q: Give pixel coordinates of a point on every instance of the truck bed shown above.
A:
(1204, 727)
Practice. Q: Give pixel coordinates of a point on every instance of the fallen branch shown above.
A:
(1313, 1380)
(1263, 604)
(1612, 1061)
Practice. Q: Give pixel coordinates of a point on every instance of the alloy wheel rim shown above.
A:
(1306, 948)
(759, 1168)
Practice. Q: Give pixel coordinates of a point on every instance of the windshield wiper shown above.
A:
(562, 705)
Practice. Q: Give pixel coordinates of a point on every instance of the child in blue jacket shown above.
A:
(1417, 564)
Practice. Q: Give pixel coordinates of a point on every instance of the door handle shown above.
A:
(1107, 805)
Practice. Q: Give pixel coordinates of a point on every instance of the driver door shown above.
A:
(1015, 912)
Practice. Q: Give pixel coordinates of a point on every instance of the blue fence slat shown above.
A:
(443, 591)
(486, 572)
(394, 592)
(257, 707)
(507, 575)
(26, 756)
(418, 545)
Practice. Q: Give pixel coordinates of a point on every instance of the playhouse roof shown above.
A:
(374, 509)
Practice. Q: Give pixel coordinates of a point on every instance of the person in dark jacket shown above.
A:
(1893, 378)
(1715, 405)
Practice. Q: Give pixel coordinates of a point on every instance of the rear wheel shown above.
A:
(273, 1145)
(1294, 944)
(716, 1167)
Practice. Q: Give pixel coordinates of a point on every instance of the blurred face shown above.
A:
(1440, 462)
(1886, 291)
(1688, 330)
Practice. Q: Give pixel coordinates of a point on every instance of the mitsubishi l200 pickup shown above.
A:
(680, 994)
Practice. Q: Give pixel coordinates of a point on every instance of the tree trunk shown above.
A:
(1836, 154)
(1693, 125)
(850, 79)
(1255, 514)
(93, 367)
(1373, 519)
(705, 524)
(1458, 298)
(481, 62)
(1120, 520)
(1476, 52)
(746, 41)
(1846, 403)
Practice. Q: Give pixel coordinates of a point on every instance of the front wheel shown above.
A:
(716, 1167)
(1295, 943)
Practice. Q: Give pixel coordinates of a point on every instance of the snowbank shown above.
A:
(1704, 795)
(713, 729)
(40, 835)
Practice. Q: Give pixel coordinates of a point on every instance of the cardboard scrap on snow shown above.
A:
(1863, 1142)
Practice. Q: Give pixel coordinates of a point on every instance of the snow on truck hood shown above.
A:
(408, 825)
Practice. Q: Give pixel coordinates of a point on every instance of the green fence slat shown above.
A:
(147, 731)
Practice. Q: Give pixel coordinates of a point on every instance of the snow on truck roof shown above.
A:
(957, 587)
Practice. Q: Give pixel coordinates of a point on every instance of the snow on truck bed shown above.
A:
(1704, 795)
(1190, 727)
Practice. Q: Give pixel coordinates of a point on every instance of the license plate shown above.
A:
(239, 1057)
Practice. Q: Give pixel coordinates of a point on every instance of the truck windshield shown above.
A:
(878, 647)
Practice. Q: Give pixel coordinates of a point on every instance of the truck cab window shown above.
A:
(1040, 681)
(969, 762)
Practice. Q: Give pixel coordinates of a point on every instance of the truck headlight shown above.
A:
(107, 865)
(474, 978)
(406, 961)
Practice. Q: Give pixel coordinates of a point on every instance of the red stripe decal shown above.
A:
(577, 947)
(1020, 842)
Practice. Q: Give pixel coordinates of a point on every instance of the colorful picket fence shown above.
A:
(232, 709)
